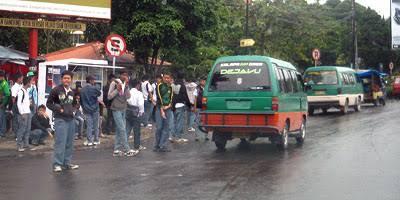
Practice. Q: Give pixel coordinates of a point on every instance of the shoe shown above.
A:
(182, 140)
(57, 169)
(191, 130)
(171, 139)
(156, 150)
(197, 139)
(131, 153)
(149, 125)
(141, 148)
(163, 150)
(141, 125)
(32, 148)
(21, 149)
(207, 139)
(35, 144)
(71, 167)
(42, 143)
(131, 137)
(117, 153)
(96, 143)
(89, 144)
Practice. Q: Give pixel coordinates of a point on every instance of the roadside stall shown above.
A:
(50, 74)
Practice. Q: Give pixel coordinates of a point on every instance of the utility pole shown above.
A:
(247, 24)
(354, 35)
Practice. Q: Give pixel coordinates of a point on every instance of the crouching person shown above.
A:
(61, 101)
(40, 127)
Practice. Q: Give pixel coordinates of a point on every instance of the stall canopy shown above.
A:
(13, 61)
(369, 73)
(12, 55)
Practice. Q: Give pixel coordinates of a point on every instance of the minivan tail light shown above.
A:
(275, 104)
(204, 103)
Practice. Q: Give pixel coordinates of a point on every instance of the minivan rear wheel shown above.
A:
(357, 107)
(345, 109)
(302, 133)
(220, 142)
(283, 139)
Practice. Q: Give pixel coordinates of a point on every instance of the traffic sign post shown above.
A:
(115, 46)
(316, 55)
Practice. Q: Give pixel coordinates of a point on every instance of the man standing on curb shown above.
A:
(134, 113)
(14, 91)
(147, 91)
(24, 115)
(163, 113)
(119, 94)
(109, 126)
(60, 101)
(180, 102)
(4, 99)
(90, 106)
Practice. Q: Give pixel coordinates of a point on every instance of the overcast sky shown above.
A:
(381, 6)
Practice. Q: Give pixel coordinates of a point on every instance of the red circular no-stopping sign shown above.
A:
(316, 54)
(115, 45)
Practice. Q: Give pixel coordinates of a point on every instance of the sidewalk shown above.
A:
(8, 145)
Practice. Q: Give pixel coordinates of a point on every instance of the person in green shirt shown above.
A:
(163, 113)
(4, 99)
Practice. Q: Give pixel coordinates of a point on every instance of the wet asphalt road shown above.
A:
(345, 157)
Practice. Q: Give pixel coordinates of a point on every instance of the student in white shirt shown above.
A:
(191, 89)
(14, 91)
(24, 118)
(134, 113)
(147, 91)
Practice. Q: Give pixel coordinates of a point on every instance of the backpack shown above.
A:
(15, 107)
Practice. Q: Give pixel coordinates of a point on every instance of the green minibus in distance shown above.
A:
(248, 97)
(333, 87)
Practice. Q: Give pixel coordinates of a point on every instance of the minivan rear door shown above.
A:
(243, 86)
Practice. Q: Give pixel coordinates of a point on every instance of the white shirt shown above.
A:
(15, 89)
(146, 85)
(154, 92)
(137, 100)
(23, 102)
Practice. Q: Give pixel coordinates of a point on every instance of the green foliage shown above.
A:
(191, 34)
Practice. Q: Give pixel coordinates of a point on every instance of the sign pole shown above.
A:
(114, 64)
(247, 24)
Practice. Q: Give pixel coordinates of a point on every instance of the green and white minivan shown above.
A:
(333, 87)
(248, 97)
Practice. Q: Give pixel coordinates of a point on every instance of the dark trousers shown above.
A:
(109, 125)
(134, 123)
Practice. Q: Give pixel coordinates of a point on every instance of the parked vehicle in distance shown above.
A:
(396, 87)
(248, 97)
(374, 86)
(333, 87)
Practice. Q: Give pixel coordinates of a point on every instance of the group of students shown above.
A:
(130, 104)
(30, 123)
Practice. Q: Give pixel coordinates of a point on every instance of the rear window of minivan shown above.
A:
(240, 76)
(321, 77)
